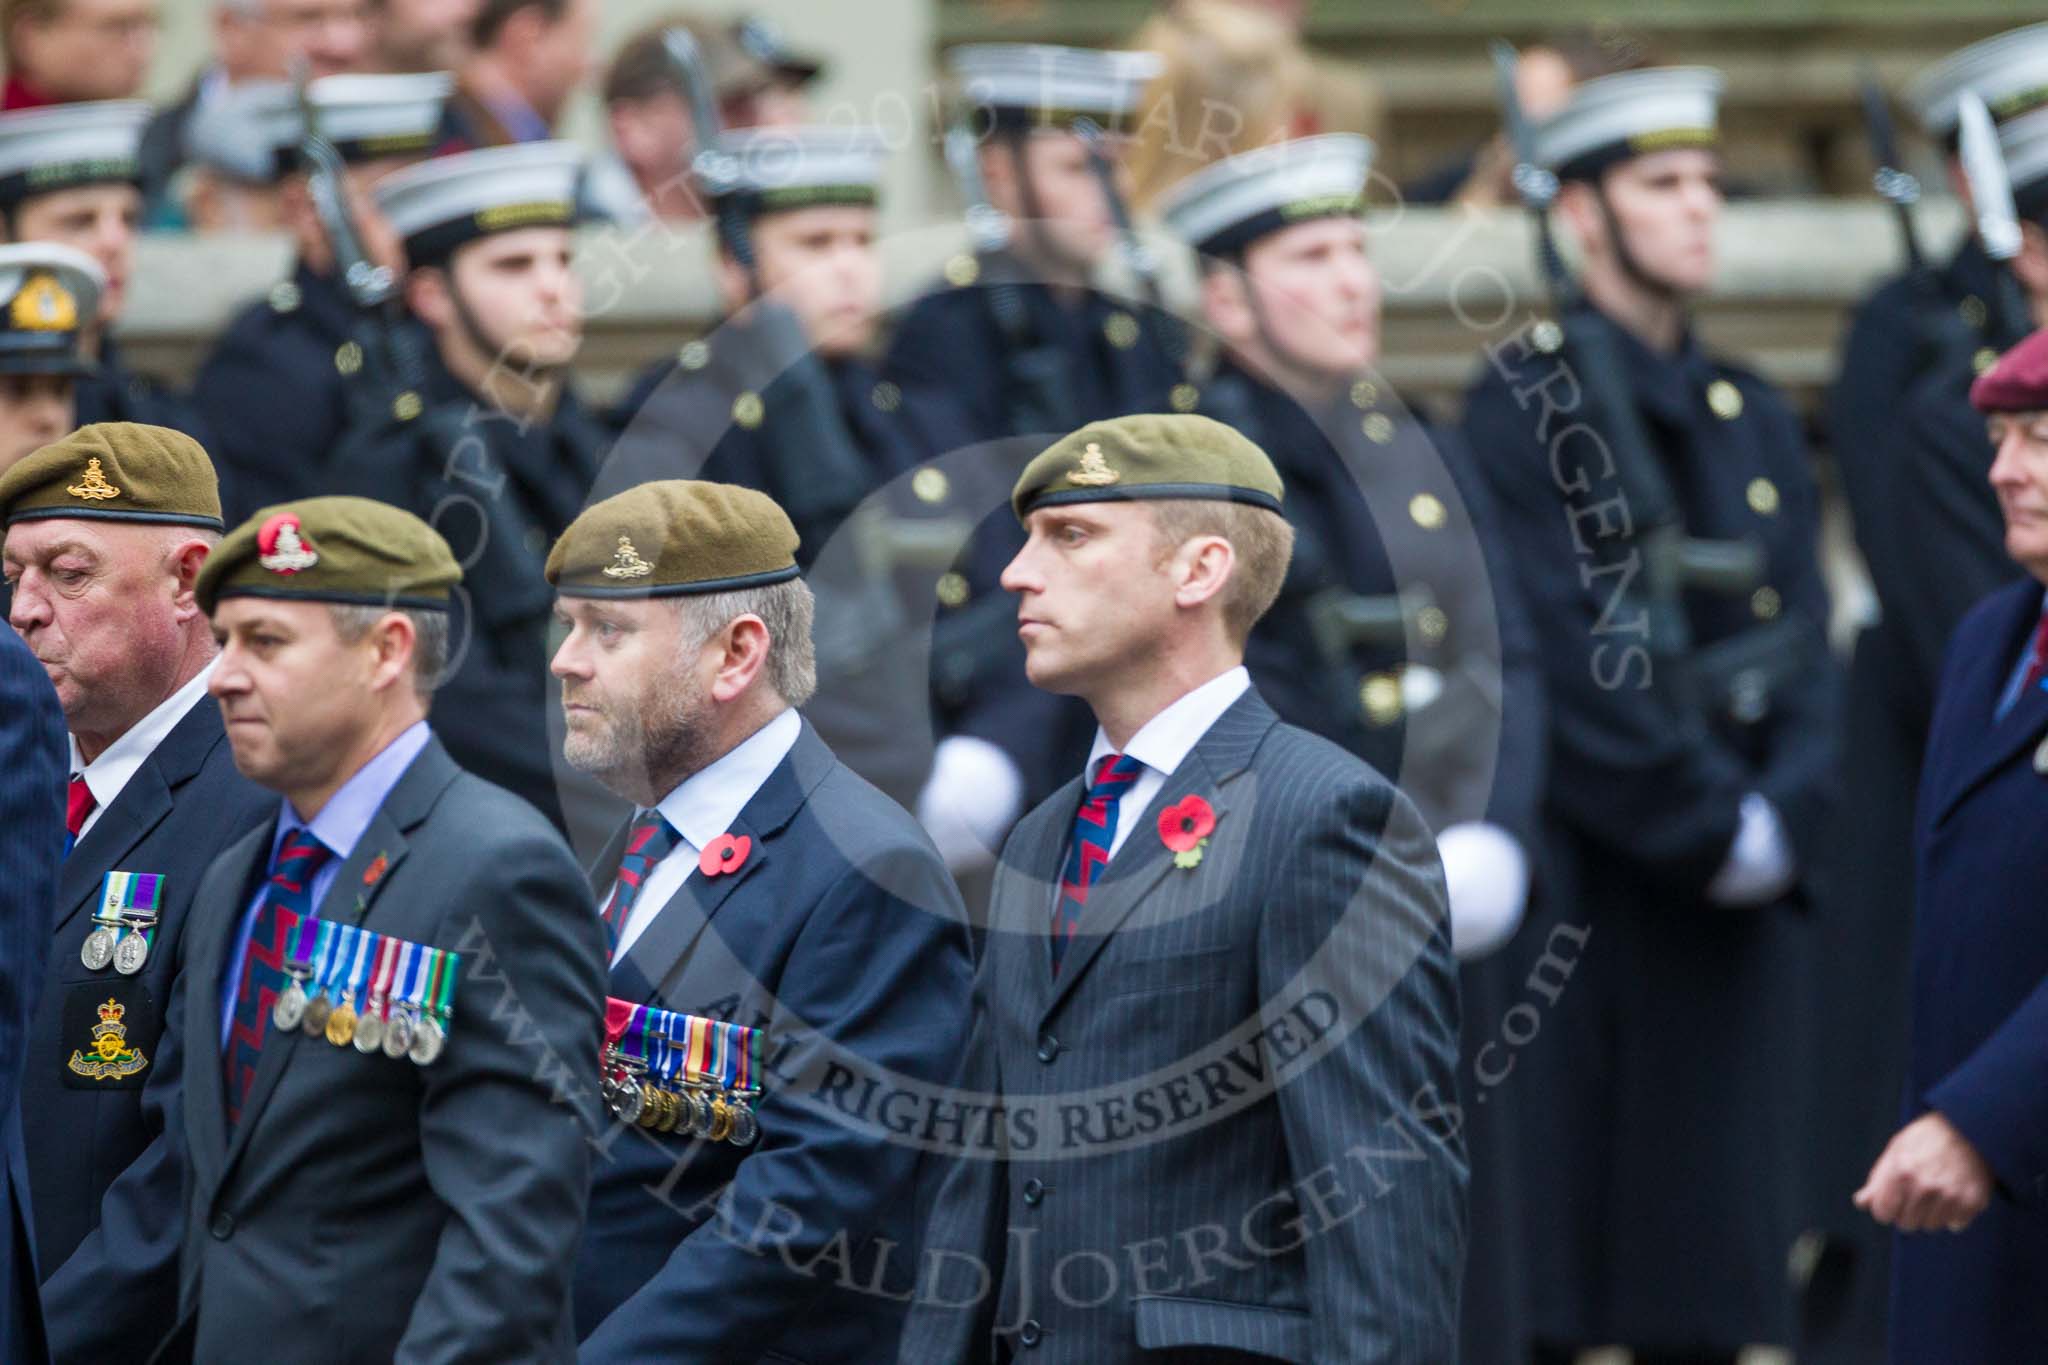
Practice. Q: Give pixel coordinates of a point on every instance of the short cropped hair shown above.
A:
(1262, 539)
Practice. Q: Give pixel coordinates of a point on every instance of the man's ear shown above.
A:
(1226, 302)
(186, 561)
(1578, 207)
(1202, 566)
(426, 294)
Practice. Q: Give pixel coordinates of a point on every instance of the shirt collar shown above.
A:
(119, 761)
(341, 822)
(704, 805)
(1165, 740)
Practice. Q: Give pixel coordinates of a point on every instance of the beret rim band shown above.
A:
(700, 588)
(336, 596)
(114, 514)
(1153, 492)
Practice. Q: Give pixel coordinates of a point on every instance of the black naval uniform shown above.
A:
(702, 416)
(500, 495)
(1913, 460)
(115, 393)
(1662, 1137)
(1380, 501)
(276, 390)
(1023, 363)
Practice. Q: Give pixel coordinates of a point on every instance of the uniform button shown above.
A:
(1030, 1334)
(1048, 1048)
(223, 1225)
(1034, 1191)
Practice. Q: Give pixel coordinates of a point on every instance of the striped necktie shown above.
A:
(650, 839)
(1088, 850)
(289, 900)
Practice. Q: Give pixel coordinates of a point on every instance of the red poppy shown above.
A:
(1184, 824)
(726, 853)
(374, 873)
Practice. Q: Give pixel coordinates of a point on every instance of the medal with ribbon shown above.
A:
(431, 1035)
(355, 978)
(313, 1019)
(290, 1008)
(370, 1024)
(622, 1089)
(404, 1011)
(125, 922)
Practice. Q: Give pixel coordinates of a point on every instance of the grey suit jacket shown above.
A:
(366, 1209)
(1228, 1123)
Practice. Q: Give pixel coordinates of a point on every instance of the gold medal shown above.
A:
(721, 1120)
(341, 1024)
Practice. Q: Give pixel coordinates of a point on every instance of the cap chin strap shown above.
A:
(1663, 290)
(489, 348)
(1042, 244)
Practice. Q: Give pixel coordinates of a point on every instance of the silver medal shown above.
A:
(744, 1128)
(370, 1030)
(628, 1101)
(314, 1017)
(131, 952)
(290, 1008)
(398, 1035)
(427, 1041)
(99, 948)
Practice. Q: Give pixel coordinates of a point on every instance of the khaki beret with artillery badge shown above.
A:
(673, 537)
(1149, 456)
(115, 471)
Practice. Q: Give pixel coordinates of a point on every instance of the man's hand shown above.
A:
(1928, 1178)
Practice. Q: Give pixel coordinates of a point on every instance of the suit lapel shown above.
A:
(348, 900)
(1144, 859)
(1991, 744)
(142, 805)
(212, 939)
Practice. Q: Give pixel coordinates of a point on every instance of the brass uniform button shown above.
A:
(1378, 428)
(1972, 310)
(930, 485)
(1428, 511)
(1765, 604)
(1121, 329)
(1379, 696)
(694, 355)
(284, 297)
(886, 397)
(407, 406)
(1725, 400)
(348, 357)
(962, 270)
(748, 410)
(1547, 337)
(1763, 497)
(1364, 393)
(1432, 624)
(1984, 359)
(952, 590)
(1184, 397)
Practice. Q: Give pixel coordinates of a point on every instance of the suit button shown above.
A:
(1034, 1191)
(223, 1225)
(1048, 1048)
(1030, 1334)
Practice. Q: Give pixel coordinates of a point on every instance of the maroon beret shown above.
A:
(2018, 382)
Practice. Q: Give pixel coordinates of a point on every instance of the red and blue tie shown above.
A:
(650, 839)
(299, 859)
(78, 804)
(1088, 850)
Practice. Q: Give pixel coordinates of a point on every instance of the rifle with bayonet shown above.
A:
(1138, 257)
(1998, 220)
(1732, 677)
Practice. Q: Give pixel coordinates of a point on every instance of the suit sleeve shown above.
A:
(1998, 1099)
(1654, 786)
(33, 768)
(878, 983)
(1358, 912)
(507, 1110)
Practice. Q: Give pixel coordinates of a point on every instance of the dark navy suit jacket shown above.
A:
(1979, 1050)
(32, 771)
(109, 1211)
(842, 935)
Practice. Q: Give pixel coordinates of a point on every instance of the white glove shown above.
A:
(969, 802)
(1488, 876)
(1759, 867)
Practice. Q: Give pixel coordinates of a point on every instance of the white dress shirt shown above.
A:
(1163, 742)
(702, 807)
(119, 761)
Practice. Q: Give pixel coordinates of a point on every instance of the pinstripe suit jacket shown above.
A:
(1225, 1129)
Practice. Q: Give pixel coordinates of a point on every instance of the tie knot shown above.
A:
(78, 803)
(652, 837)
(298, 858)
(1113, 773)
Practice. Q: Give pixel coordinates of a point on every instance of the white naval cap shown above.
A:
(1613, 118)
(773, 169)
(252, 130)
(1034, 84)
(67, 145)
(48, 293)
(1224, 207)
(440, 204)
(2023, 142)
(2009, 72)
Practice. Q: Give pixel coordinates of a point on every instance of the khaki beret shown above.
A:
(115, 471)
(348, 550)
(1150, 455)
(674, 536)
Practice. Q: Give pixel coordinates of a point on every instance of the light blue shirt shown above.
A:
(339, 825)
